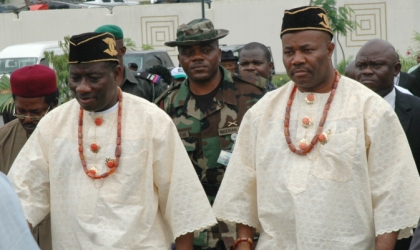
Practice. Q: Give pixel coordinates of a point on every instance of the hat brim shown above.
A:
(235, 58)
(220, 34)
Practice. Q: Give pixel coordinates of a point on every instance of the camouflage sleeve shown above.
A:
(160, 99)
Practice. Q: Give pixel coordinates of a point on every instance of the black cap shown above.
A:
(92, 47)
(228, 56)
(305, 18)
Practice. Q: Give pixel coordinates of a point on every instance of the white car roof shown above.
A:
(28, 49)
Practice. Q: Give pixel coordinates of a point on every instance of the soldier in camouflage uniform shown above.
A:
(207, 109)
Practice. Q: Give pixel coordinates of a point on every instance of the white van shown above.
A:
(21, 55)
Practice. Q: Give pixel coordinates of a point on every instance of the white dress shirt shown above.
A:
(397, 79)
(390, 98)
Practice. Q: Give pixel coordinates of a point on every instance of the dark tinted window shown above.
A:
(167, 62)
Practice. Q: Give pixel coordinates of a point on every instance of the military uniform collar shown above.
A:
(227, 95)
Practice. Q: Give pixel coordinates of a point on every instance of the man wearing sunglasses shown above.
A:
(35, 93)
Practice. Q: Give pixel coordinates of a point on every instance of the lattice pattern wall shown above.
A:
(372, 20)
(156, 30)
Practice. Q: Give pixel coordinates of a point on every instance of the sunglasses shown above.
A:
(32, 117)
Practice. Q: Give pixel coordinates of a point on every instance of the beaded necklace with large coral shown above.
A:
(304, 148)
(112, 164)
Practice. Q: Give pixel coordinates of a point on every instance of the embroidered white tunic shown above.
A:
(360, 184)
(153, 197)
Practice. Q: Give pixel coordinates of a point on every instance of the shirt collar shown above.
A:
(390, 98)
(105, 111)
(397, 79)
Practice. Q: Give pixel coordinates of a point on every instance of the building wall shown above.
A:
(247, 20)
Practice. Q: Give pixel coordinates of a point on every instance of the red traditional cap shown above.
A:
(33, 81)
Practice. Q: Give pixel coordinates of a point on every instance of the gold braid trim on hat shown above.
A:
(297, 11)
(306, 28)
(99, 60)
(94, 37)
(72, 43)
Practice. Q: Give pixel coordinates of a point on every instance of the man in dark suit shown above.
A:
(415, 243)
(416, 73)
(376, 65)
(408, 81)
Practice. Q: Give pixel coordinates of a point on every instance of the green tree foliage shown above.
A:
(6, 99)
(409, 59)
(61, 68)
(130, 44)
(341, 67)
(340, 18)
(416, 39)
(147, 47)
(280, 80)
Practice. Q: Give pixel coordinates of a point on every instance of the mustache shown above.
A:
(29, 125)
(85, 96)
(300, 68)
(197, 64)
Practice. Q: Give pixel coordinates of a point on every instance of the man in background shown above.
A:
(207, 109)
(229, 61)
(178, 75)
(376, 64)
(256, 58)
(407, 81)
(133, 66)
(144, 85)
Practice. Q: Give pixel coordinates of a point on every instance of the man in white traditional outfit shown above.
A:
(329, 167)
(96, 163)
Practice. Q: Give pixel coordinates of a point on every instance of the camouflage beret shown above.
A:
(195, 32)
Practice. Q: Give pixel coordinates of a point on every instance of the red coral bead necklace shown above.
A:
(112, 164)
(319, 136)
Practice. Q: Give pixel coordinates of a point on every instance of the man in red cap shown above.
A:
(35, 93)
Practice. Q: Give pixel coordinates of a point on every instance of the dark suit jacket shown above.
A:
(415, 243)
(410, 82)
(416, 73)
(407, 108)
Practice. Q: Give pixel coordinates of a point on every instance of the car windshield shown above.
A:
(8, 65)
(134, 58)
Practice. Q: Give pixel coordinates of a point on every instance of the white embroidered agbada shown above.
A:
(153, 197)
(360, 184)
